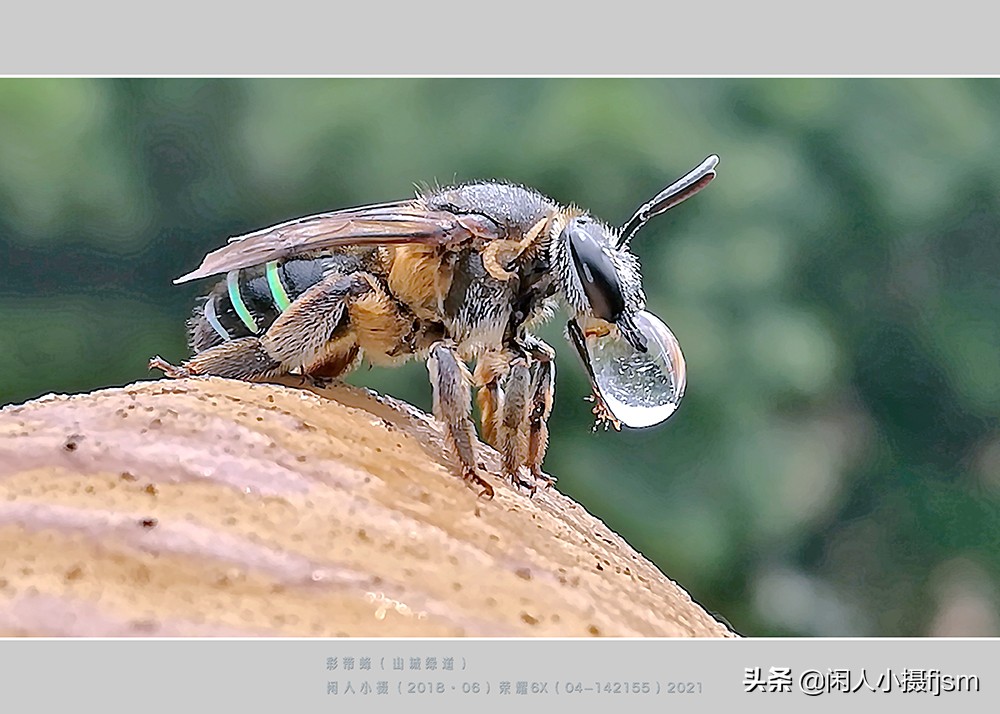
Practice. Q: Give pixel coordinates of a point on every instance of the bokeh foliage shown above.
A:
(835, 466)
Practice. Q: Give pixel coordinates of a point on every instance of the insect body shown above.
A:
(454, 276)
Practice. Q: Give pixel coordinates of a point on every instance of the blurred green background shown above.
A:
(834, 468)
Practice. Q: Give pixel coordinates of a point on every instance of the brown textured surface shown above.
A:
(214, 507)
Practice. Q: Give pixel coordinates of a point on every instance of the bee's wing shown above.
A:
(383, 224)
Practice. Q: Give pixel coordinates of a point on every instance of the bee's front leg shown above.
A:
(512, 431)
(491, 369)
(514, 417)
(451, 382)
(504, 409)
(543, 381)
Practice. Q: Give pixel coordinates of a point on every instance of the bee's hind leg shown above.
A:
(303, 335)
(244, 359)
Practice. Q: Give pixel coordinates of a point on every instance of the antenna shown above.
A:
(677, 192)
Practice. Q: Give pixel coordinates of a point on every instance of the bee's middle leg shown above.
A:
(451, 383)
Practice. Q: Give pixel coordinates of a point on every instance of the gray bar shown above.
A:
(497, 675)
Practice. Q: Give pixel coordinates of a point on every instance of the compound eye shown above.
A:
(596, 269)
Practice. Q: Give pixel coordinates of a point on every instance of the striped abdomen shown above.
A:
(250, 299)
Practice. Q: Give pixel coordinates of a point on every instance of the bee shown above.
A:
(455, 276)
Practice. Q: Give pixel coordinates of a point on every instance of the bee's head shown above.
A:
(600, 278)
(600, 282)
(633, 359)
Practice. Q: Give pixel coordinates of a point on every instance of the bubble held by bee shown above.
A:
(639, 388)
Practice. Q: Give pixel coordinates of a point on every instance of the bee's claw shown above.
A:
(604, 416)
(531, 485)
(522, 484)
(316, 381)
(172, 371)
(543, 479)
(476, 480)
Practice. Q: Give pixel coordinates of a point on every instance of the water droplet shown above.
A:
(640, 388)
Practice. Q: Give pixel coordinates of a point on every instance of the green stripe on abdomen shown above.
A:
(278, 293)
(233, 284)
